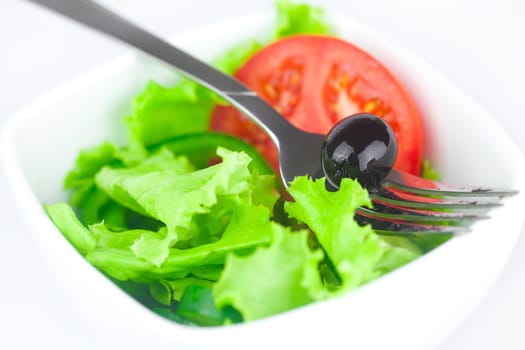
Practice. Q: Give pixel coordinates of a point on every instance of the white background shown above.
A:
(480, 45)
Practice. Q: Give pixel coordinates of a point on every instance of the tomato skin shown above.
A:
(314, 81)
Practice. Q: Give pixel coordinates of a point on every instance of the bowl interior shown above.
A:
(437, 291)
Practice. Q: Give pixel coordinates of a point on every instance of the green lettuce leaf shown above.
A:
(197, 306)
(174, 198)
(165, 292)
(108, 238)
(85, 196)
(66, 221)
(161, 113)
(298, 18)
(88, 162)
(274, 279)
(117, 181)
(248, 228)
(358, 254)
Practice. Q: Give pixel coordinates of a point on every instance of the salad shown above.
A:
(190, 217)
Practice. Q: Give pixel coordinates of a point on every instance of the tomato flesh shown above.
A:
(315, 81)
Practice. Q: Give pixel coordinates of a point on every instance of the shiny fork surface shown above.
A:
(404, 204)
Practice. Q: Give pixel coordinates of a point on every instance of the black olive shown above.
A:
(361, 146)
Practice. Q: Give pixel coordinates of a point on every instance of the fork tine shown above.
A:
(414, 211)
(420, 217)
(415, 185)
(391, 228)
(389, 198)
(451, 191)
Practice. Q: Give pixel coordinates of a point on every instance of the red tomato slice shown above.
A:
(314, 81)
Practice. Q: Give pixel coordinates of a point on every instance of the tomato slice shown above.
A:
(314, 81)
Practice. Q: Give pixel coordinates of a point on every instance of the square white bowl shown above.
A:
(412, 308)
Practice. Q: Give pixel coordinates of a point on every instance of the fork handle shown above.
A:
(247, 101)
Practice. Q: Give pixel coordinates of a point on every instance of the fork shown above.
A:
(403, 204)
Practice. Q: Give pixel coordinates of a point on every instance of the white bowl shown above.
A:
(414, 307)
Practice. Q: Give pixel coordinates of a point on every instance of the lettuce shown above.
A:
(65, 220)
(357, 252)
(203, 214)
(293, 18)
(353, 249)
(246, 229)
(274, 279)
(288, 273)
(252, 264)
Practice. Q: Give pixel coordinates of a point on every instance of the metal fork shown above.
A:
(403, 205)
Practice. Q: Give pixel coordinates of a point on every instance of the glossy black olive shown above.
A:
(362, 147)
